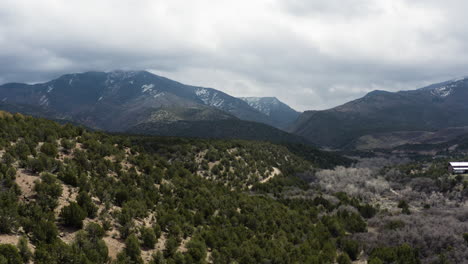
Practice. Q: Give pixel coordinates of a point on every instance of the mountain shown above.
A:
(280, 113)
(111, 100)
(431, 108)
(120, 101)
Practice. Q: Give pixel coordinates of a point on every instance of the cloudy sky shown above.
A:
(312, 54)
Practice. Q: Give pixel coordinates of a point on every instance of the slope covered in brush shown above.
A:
(74, 196)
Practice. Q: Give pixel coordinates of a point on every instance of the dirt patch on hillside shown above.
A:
(273, 174)
(13, 240)
(9, 239)
(114, 245)
(69, 194)
(25, 181)
(183, 245)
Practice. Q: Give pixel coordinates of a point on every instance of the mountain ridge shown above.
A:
(119, 101)
(430, 108)
(280, 113)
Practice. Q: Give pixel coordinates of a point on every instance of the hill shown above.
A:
(218, 129)
(427, 109)
(70, 195)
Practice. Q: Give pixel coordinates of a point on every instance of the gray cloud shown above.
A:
(311, 54)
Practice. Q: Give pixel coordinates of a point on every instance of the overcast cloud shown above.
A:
(312, 54)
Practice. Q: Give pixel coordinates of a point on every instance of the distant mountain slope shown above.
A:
(142, 102)
(394, 139)
(111, 100)
(280, 113)
(431, 108)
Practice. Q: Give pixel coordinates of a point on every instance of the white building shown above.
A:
(458, 167)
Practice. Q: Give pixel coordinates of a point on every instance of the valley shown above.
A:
(187, 181)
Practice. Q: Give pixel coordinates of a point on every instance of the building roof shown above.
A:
(459, 164)
(461, 168)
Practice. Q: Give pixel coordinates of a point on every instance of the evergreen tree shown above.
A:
(73, 215)
(10, 254)
(148, 237)
(24, 250)
(132, 249)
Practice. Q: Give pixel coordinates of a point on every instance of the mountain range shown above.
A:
(142, 102)
(432, 108)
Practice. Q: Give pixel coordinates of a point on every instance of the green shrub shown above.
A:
(344, 259)
(197, 250)
(49, 149)
(24, 250)
(148, 237)
(351, 248)
(48, 190)
(132, 249)
(73, 215)
(85, 202)
(10, 254)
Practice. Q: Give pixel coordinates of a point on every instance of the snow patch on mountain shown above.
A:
(50, 88)
(156, 95)
(202, 93)
(208, 98)
(264, 105)
(444, 91)
(44, 101)
(147, 87)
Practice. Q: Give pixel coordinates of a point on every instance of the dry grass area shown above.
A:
(67, 235)
(161, 245)
(114, 245)
(9, 239)
(25, 181)
(13, 240)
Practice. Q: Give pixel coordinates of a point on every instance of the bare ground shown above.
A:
(25, 181)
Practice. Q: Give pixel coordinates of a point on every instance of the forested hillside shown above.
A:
(69, 195)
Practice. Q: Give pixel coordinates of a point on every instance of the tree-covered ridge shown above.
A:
(235, 163)
(75, 196)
